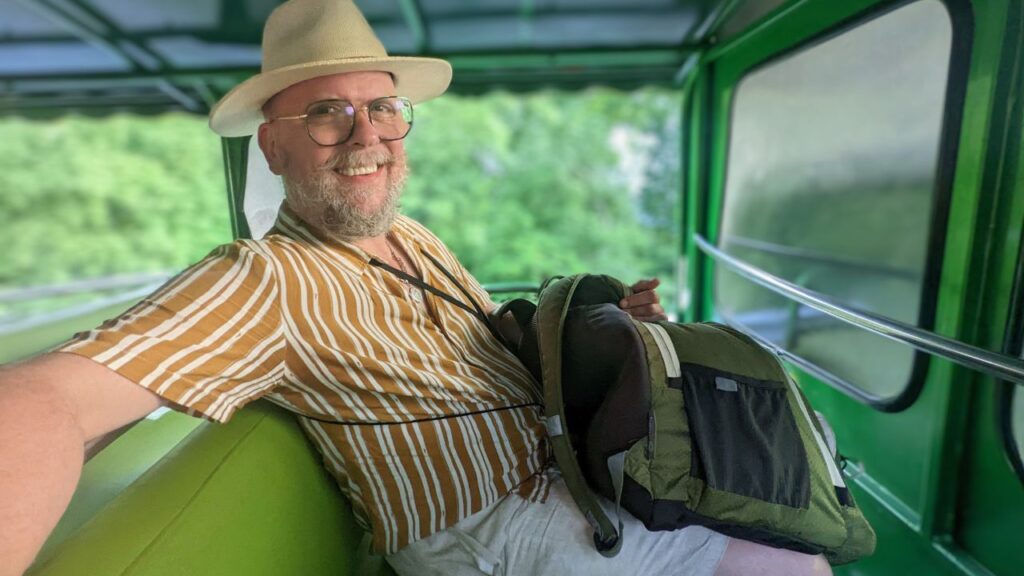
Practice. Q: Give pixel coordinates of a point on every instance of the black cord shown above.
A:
(483, 315)
(475, 310)
(421, 284)
(431, 419)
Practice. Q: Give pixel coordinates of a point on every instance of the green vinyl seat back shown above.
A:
(247, 497)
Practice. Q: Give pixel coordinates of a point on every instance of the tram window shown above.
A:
(831, 184)
(264, 193)
(523, 187)
(1017, 421)
(96, 213)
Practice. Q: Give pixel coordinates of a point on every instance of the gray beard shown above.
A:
(334, 207)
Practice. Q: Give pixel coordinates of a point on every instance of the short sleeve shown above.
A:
(210, 340)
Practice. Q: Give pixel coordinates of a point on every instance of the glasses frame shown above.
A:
(352, 129)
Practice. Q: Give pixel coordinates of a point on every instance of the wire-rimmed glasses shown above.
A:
(332, 122)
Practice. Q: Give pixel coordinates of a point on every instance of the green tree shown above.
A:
(521, 187)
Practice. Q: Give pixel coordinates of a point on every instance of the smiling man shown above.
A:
(358, 320)
(341, 176)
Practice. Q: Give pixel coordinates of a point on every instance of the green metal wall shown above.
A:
(933, 478)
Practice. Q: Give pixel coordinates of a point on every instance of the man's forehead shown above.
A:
(348, 85)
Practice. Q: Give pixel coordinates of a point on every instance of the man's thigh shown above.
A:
(516, 537)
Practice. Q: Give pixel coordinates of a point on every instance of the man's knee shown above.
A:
(743, 558)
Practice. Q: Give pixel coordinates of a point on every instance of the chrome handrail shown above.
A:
(38, 320)
(991, 363)
(797, 253)
(118, 281)
(510, 287)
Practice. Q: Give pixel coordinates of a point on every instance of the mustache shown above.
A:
(353, 158)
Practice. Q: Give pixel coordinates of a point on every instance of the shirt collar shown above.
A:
(355, 259)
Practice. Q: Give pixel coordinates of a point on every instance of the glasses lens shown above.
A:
(391, 117)
(330, 122)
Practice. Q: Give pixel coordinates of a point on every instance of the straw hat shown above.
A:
(305, 39)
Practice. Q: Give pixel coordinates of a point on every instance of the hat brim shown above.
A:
(239, 112)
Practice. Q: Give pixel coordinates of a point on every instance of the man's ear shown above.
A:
(268, 144)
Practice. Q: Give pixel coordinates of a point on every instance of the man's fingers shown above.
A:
(640, 299)
(656, 318)
(645, 311)
(644, 304)
(643, 285)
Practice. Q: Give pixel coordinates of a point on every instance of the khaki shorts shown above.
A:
(514, 537)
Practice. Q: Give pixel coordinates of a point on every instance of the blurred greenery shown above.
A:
(520, 187)
(84, 198)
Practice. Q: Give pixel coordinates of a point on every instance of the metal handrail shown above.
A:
(79, 286)
(510, 287)
(38, 320)
(991, 363)
(821, 258)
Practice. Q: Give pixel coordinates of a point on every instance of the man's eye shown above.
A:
(326, 109)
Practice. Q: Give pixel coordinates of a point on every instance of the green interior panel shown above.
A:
(248, 497)
(116, 467)
(933, 477)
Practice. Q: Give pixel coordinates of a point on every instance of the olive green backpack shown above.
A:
(681, 424)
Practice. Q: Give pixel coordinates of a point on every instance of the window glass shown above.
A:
(263, 193)
(526, 186)
(95, 213)
(1017, 421)
(830, 184)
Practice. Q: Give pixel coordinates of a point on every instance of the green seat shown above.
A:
(248, 497)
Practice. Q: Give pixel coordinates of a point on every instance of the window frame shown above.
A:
(961, 18)
(1005, 392)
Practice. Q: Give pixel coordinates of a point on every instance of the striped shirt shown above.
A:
(418, 412)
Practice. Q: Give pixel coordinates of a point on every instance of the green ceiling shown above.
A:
(98, 56)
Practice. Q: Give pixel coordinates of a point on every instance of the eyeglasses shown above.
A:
(332, 122)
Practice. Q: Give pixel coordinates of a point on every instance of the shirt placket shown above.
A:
(432, 302)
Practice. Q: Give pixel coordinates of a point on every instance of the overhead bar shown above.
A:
(94, 28)
(252, 35)
(714, 19)
(524, 59)
(413, 14)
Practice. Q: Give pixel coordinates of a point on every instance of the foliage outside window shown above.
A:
(831, 184)
(523, 187)
(520, 187)
(122, 201)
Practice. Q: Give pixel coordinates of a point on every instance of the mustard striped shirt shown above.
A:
(418, 412)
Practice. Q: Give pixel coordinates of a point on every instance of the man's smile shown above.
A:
(364, 170)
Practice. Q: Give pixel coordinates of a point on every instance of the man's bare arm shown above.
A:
(50, 407)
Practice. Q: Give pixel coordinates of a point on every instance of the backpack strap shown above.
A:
(521, 312)
(552, 308)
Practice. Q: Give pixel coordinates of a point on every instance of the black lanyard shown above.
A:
(475, 310)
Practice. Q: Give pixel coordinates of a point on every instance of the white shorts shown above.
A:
(514, 537)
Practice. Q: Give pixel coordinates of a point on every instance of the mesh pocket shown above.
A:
(745, 437)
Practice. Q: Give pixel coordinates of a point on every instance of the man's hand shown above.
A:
(644, 304)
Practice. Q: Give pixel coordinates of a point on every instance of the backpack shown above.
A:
(680, 424)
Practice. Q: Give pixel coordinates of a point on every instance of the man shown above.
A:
(431, 427)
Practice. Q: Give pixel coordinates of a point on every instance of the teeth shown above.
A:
(358, 170)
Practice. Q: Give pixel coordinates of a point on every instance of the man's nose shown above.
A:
(364, 134)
